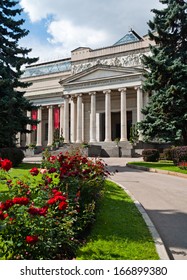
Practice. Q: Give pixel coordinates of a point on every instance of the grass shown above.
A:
(163, 165)
(19, 172)
(119, 232)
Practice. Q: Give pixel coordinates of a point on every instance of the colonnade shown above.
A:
(76, 133)
(39, 134)
(72, 117)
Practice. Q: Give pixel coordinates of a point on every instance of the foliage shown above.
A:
(13, 104)
(150, 155)
(16, 155)
(58, 136)
(166, 77)
(134, 135)
(168, 153)
(179, 154)
(46, 213)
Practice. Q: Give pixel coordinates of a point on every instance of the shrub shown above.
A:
(151, 155)
(15, 155)
(168, 153)
(179, 154)
(48, 212)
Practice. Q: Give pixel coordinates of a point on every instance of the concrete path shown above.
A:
(164, 198)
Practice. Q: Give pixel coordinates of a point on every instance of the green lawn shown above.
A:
(19, 172)
(119, 232)
(169, 166)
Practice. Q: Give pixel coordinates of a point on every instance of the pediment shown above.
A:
(101, 72)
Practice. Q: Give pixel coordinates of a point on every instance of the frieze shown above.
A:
(124, 61)
(99, 83)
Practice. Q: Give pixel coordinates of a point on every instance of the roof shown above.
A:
(130, 37)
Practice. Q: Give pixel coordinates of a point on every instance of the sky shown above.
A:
(59, 26)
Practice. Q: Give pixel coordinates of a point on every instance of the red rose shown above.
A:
(38, 211)
(20, 200)
(6, 164)
(2, 215)
(34, 171)
(51, 201)
(31, 239)
(49, 180)
(6, 205)
(63, 205)
(52, 170)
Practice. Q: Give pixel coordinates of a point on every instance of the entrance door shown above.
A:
(129, 123)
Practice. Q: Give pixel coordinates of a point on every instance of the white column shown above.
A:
(82, 121)
(73, 120)
(93, 117)
(18, 139)
(107, 115)
(39, 128)
(139, 103)
(50, 125)
(28, 135)
(79, 118)
(66, 119)
(139, 107)
(61, 119)
(123, 114)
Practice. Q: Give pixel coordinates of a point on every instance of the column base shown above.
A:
(123, 140)
(93, 141)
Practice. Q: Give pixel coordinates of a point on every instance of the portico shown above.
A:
(95, 96)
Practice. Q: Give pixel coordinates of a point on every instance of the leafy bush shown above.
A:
(15, 155)
(47, 213)
(168, 153)
(179, 154)
(150, 155)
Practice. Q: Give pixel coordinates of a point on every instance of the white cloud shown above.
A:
(69, 36)
(74, 23)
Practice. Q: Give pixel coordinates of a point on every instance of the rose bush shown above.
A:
(47, 212)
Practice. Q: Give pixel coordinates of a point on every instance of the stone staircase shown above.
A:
(101, 149)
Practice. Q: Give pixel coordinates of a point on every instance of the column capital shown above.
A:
(78, 95)
(138, 87)
(50, 106)
(107, 91)
(92, 93)
(73, 97)
(122, 89)
(66, 97)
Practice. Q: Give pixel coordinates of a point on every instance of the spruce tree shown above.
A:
(13, 104)
(165, 116)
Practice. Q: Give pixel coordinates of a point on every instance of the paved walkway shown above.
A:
(164, 197)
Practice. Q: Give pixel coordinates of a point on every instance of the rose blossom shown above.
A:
(6, 164)
(31, 239)
(20, 200)
(34, 171)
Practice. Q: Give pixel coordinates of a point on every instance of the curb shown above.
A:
(143, 168)
(160, 247)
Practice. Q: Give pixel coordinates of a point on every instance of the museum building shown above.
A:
(94, 96)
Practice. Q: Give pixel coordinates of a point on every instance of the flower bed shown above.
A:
(48, 212)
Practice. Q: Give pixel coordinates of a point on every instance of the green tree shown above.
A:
(166, 76)
(13, 104)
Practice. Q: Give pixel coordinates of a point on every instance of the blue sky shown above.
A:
(59, 26)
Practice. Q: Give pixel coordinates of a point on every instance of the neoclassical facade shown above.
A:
(94, 96)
